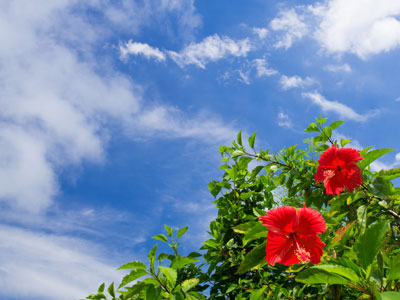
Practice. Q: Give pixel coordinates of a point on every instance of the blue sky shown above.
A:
(113, 111)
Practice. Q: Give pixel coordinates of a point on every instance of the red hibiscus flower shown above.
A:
(292, 235)
(338, 169)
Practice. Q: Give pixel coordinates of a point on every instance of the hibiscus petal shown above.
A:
(354, 180)
(313, 245)
(309, 222)
(334, 185)
(338, 169)
(280, 249)
(349, 155)
(319, 176)
(327, 158)
(280, 220)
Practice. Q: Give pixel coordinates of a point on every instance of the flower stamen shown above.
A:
(301, 253)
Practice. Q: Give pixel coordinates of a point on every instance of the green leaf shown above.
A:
(239, 138)
(256, 170)
(321, 120)
(381, 187)
(237, 153)
(180, 262)
(390, 174)
(133, 275)
(151, 293)
(372, 156)
(390, 296)
(133, 265)
(170, 274)
(362, 216)
(111, 290)
(290, 150)
(344, 142)
(214, 188)
(256, 232)
(255, 257)
(257, 294)
(244, 227)
(195, 296)
(314, 276)
(177, 296)
(348, 264)
(312, 128)
(244, 162)
(134, 289)
(152, 256)
(101, 288)
(181, 232)
(189, 284)
(169, 230)
(252, 139)
(336, 124)
(344, 272)
(370, 242)
(161, 237)
(394, 271)
(328, 131)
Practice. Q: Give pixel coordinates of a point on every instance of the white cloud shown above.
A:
(211, 49)
(362, 27)
(56, 105)
(338, 68)
(39, 265)
(260, 32)
(262, 68)
(341, 109)
(169, 122)
(292, 26)
(398, 99)
(295, 82)
(60, 104)
(135, 48)
(284, 120)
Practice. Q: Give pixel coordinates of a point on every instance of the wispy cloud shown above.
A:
(211, 49)
(261, 32)
(291, 24)
(339, 108)
(338, 68)
(168, 122)
(295, 82)
(135, 48)
(263, 69)
(284, 120)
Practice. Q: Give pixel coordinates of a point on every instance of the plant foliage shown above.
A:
(361, 258)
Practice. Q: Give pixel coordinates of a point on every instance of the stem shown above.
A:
(329, 139)
(270, 160)
(159, 281)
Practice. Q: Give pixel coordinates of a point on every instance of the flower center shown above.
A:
(329, 173)
(301, 253)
